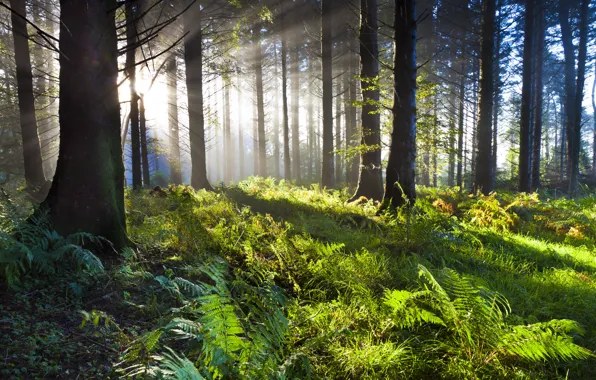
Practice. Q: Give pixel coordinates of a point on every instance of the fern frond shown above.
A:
(185, 328)
(173, 366)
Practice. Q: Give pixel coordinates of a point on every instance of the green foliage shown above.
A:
(33, 245)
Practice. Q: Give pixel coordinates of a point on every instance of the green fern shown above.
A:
(472, 321)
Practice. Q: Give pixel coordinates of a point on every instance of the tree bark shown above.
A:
(401, 174)
(526, 105)
(276, 132)
(461, 121)
(144, 147)
(338, 139)
(295, 79)
(483, 177)
(193, 57)
(284, 86)
(131, 70)
(258, 65)
(370, 181)
(228, 156)
(538, 63)
(172, 79)
(328, 175)
(33, 161)
(87, 193)
(594, 121)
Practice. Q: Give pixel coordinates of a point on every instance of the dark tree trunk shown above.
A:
(594, 121)
(284, 86)
(338, 139)
(460, 127)
(88, 189)
(328, 175)
(131, 70)
(241, 147)
(295, 76)
(401, 174)
(276, 147)
(573, 90)
(483, 176)
(258, 55)
(370, 181)
(538, 64)
(452, 149)
(563, 151)
(228, 156)
(193, 57)
(34, 174)
(144, 147)
(526, 105)
(172, 78)
(497, 98)
(353, 165)
(311, 124)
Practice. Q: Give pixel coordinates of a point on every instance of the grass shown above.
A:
(302, 262)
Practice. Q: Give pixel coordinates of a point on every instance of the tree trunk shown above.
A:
(144, 148)
(401, 174)
(594, 121)
(353, 164)
(311, 124)
(34, 174)
(284, 86)
(276, 147)
(131, 70)
(295, 79)
(240, 135)
(461, 121)
(172, 78)
(526, 105)
(338, 127)
(483, 177)
(87, 193)
(193, 57)
(258, 65)
(370, 181)
(228, 156)
(538, 64)
(497, 98)
(328, 175)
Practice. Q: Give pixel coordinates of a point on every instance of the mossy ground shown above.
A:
(335, 262)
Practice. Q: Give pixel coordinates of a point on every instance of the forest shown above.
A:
(297, 189)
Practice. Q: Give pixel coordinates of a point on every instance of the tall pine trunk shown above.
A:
(241, 147)
(538, 64)
(284, 86)
(131, 70)
(483, 176)
(401, 166)
(370, 181)
(526, 101)
(87, 193)
(144, 147)
(295, 79)
(276, 131)
(460, 127)
(172, 82)
(228, 156)
(34, 174)
(258, 55)
(327, 175)
(193, 57)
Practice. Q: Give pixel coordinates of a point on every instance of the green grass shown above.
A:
(318, 272)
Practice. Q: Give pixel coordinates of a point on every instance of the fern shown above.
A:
(472, 322)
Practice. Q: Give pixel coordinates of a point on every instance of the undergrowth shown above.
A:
(270, 280)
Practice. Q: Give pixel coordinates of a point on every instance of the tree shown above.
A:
(538, 90)
(172, 78)
(258, 67)
(284, 86)
(483, 173)
(574, 90)
(526, 105)
(295, 85)
(34, 174)
(370, 181)
(131, 71)
(401, 175)
(328, 175)
(193, 57)
(87, 193)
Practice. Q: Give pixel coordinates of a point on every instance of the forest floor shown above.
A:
(272, 280)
